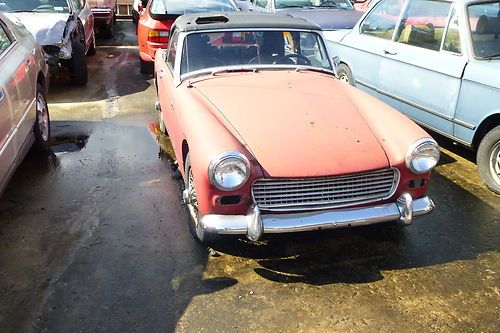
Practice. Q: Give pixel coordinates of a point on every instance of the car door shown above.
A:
(364, 48)
(420, 74)
(165, 76)
(9, 100)
(85, 15)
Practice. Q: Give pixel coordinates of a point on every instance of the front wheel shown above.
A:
(488, 159)
(191, 199)
(345, 75)
(147, 67)
(78, 65)
(42, 122)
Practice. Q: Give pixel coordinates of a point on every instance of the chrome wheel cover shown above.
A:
(495, 162)
(193, 199)
(42, 116)
(344, 78)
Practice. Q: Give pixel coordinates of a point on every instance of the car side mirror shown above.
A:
(336, 61)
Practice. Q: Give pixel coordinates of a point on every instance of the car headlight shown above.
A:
(423, 156)
(229, 171)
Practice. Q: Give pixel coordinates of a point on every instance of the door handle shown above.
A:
(389, 52)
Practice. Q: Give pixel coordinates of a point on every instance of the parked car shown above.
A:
(328, 14)
(104, 12)
(437, 62)
(24, 115)
(268, 140)
(64, 28)
(156, 19)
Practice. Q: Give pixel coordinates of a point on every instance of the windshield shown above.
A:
(484, 19)
(249, 49)
(50, 6)
(343, 4)
(180, 7)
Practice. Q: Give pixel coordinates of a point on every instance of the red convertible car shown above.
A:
(268, 140)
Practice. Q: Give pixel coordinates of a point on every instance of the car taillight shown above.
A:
(158, 36)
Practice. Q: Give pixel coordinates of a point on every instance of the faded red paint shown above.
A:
(288, 124)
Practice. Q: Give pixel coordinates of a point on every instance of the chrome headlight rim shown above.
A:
(223, 157)
(414, 148)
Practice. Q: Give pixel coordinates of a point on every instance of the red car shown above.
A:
(156, 19)
(104, 15)
(268, 140)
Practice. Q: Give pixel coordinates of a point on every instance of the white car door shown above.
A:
(363, 49)
(420, 74)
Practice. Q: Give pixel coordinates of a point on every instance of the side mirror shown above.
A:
(336, 61)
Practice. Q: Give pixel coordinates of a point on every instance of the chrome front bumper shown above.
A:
(255, 224)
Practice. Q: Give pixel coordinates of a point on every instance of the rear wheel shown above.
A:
(78, 65)
(345, 75)
(42, 122)
(191, 198)
(488, 159)
(147, 67)
(107, 30)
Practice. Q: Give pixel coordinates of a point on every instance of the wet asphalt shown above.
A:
(93, 238)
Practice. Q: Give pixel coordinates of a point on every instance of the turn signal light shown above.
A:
(158, 36)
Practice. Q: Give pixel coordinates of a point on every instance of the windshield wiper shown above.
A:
(234, 70)
(315, 69)
(490, 57)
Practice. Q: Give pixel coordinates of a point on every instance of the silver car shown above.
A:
(24, 116)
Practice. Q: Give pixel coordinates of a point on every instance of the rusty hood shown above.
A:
(296, 124)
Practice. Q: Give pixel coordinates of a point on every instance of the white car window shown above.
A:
(5, 41)
(381, 21)
(424, 23)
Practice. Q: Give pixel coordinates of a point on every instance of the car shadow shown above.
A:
(461, 228)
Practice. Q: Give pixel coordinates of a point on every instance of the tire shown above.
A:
(146, 67)
(107, 30)
(92, 49)
(41, 128)
(345, 75)
(488, 159)
(163, 128)
(78, 65)
(196, 230)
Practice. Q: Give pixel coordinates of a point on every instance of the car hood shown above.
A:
(48, 28)
(296, 124)
(327, 18)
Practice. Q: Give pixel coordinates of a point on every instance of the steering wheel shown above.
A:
(329, 4)
(305, 60)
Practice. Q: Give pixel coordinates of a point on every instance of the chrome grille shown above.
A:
(280, 194)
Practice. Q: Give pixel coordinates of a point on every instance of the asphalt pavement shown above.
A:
(93, 238)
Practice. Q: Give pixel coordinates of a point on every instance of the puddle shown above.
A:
(62, 145)
(166, 148)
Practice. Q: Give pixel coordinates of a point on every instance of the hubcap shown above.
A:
(42, 117)
(192, 199)
(344, 78)
(495, 162)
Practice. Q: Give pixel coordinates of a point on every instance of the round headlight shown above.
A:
(229, 171)
(423, 156)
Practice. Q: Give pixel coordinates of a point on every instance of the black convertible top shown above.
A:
(241, 20)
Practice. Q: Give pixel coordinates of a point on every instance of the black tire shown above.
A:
(147, 67)
(78, 65)
(488, 159)
(196, 230)
(163, 128)
(92, 49)
(41, 128)
(107, 30)
(345, 75)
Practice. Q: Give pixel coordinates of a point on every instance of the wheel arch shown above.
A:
(185, 152)
(41, 80)
(486, 125)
